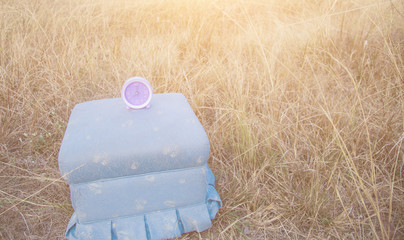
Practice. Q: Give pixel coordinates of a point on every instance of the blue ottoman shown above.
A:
(137, 174)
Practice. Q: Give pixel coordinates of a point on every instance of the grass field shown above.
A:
(302, 100)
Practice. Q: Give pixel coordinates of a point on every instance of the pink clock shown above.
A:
(137, 93)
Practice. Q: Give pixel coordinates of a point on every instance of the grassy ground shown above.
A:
(302, 100)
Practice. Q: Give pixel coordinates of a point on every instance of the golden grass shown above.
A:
(303, 103)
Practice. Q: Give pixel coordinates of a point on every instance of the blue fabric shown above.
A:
(93, 231)
(129, 228)
(160, 224)
(138, 194)
(137, 174)
(214, 203)
(194, 218)
(163, 225)
(103, 139)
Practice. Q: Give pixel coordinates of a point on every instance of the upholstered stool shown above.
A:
(137, 174)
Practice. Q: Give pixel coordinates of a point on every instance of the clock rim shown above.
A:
(133, 80)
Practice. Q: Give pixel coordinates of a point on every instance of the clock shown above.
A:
(137, 93)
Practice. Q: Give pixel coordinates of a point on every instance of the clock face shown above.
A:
(136, 92)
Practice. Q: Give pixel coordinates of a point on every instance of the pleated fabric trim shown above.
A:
(163, 224)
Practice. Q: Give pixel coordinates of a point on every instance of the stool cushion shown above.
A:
(105, 140)
(137, 174)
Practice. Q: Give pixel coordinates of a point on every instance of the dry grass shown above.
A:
(303, 102)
